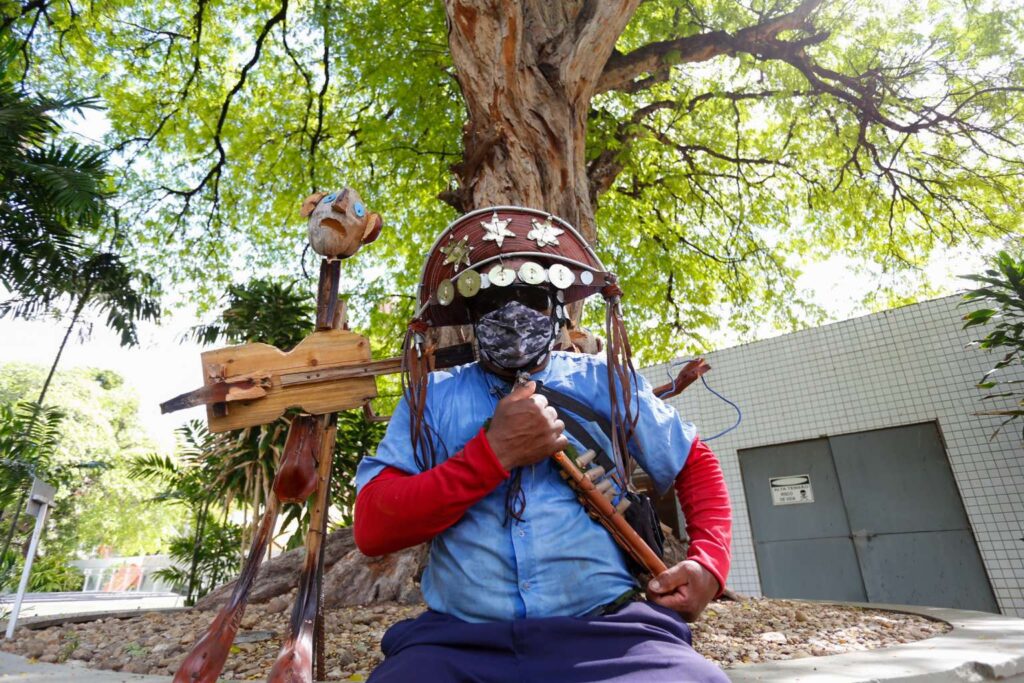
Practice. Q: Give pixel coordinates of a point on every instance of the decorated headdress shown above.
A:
(505, 246)
(500, 247)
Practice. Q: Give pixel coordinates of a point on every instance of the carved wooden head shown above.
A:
(339, 223)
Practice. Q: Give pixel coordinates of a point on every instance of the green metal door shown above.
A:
(879, 519)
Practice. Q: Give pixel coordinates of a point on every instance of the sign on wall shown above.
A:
(791, 490)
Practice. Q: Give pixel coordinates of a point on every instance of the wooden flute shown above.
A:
(600, 508)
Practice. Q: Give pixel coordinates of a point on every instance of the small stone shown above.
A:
(278, 604)
(82, 653)
(774, 637)
(136, 668)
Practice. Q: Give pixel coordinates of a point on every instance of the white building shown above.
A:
(861, 469)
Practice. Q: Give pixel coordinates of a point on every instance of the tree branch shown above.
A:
(317, 136)
(592, 39)
(621, 70)
(212, 177)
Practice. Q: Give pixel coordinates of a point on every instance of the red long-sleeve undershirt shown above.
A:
(397, 510)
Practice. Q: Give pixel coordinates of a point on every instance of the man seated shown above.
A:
(521, 583)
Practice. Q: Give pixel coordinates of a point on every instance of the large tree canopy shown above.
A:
(707, 147)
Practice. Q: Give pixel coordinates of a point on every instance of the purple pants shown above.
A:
(641, 642)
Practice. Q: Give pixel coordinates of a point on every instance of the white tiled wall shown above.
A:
(907, 365)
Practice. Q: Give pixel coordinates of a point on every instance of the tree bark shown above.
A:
(527, 72)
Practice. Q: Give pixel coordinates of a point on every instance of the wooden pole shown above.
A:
(295, 660)
(305, 639)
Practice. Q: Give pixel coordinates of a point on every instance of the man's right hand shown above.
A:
(525, 429)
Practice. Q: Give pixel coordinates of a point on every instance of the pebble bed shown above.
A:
(729, 633)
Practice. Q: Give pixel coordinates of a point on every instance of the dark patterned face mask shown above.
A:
(514, 336)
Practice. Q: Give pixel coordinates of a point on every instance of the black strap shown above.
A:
(561, 400)
(573, 426)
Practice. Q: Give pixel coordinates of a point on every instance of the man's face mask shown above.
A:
(514, 336)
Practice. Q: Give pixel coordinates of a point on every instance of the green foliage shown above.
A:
(214, 559)
(195, 480)
(262, 310)
(51, 572)
(53, 212)
(357, 437)
(1002, 292)
(876, 130)
(29, 437)
(86, 454)
(48, 190)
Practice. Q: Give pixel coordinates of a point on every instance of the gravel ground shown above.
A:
(729, 633)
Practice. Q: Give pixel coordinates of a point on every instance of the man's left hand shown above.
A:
(686, 588)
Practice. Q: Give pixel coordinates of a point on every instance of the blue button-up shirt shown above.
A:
(557, 561)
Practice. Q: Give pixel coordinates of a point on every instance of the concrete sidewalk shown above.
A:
(981, 647)
(37, 605)
(14, 668)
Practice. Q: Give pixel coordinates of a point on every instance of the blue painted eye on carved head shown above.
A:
(329, 198)
(359, 209)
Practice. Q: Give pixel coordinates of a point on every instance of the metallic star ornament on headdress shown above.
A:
(497, 230)
(544, 234)
(457, 252)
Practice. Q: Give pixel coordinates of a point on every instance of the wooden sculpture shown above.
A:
(339, 223)
(253, 384)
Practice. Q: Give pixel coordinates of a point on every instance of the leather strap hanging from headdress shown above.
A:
(621, 376)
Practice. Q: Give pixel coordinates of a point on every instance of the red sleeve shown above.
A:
(705, 502)
(396, 510)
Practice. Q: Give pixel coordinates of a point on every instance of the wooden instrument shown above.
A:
(595, 494)
(600, 508)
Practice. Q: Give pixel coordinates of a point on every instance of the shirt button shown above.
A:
(526, 585)
(521, 533)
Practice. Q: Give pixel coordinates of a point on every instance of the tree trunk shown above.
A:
(82, 301)
(527, 73)
(350, 578)
(193, 570)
